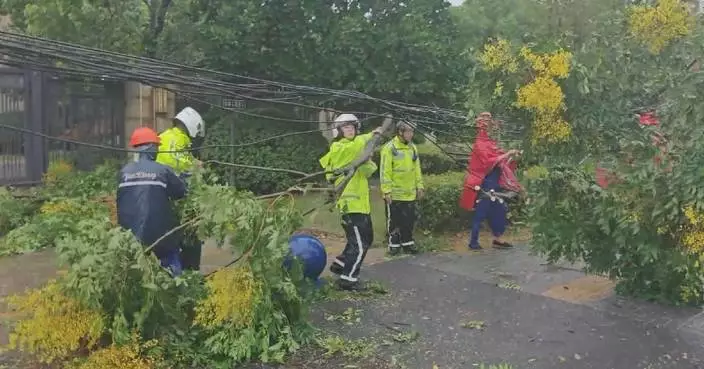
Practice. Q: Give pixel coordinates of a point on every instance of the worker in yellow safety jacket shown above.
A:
(175, 148)
(175, 152)
(353, 202)
(401, 186)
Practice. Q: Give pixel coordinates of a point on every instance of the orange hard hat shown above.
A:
(144, 135)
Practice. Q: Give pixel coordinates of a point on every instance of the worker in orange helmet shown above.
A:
(144, 197)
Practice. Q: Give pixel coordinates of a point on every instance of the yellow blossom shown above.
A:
(543, 95)
(57, 171)
(694, 241)
(633, 217)
(118, 357)
(497, 56)
(232, 295)
(693, 216)
(657, 26)
(498, 90)
(556, 64)
(693, 238)
(550, 128)
(61, 206)
(52, 325)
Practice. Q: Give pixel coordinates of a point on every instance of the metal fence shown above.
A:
(14, 101)
(80, 110)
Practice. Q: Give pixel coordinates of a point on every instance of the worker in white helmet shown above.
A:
(176, 142)
(175, 152)
(401, 186)
(353, 202)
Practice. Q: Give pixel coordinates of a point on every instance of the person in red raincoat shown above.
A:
(489, 168)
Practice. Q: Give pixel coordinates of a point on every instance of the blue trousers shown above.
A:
(495, 212)
(172, 262)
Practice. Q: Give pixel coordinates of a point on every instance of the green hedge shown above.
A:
(296, 152)
(439, 211)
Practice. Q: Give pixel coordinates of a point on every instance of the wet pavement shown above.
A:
(510, 320)
(468, 308)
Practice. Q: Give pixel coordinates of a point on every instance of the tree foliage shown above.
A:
(390, 49)
(636, 230)
(122, 304)
(111, 25)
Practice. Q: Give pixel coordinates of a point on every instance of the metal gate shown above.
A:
(14, 112)
(84, 111)
(80, 110)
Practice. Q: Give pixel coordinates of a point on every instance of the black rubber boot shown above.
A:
(410, 250)
(350, 286)
(336, 269)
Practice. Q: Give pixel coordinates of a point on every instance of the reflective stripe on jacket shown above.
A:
(355, 197)
(174, 139)
(144, 203)
(400, 170)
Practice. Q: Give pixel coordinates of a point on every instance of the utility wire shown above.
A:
(126, 150)
(19, 50)
(179, 68)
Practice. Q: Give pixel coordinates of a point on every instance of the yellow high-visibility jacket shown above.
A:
(174, 139)
(355, 197)
(400, 170)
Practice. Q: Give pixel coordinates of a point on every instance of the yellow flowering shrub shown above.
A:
(556, 64)
(550, 128)
(543, 95)
(693, 238)
(57, 171)
(65, 206)
(53, 326)
(232, 296)
(656, 26)
(120, 357)
(693, 216)
(498, 56)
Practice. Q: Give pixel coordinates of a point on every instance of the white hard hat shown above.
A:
(193, 122)
(343, 120)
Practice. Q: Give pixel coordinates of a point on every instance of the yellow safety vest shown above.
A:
(355, 197)
(400, 170)
(174, 139)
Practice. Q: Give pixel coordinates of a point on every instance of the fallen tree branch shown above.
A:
(293, 189)
(169, 233)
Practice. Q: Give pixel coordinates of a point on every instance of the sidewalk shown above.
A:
(518, 311)
(468, 308)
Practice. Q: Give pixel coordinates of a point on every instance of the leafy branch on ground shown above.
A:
(122, 304)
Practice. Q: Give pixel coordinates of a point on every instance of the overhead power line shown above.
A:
(73, 60)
